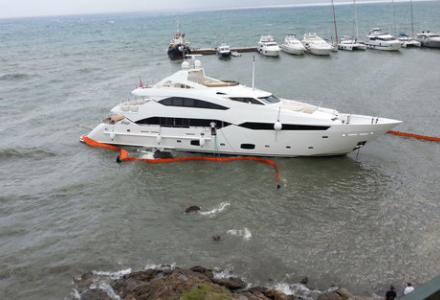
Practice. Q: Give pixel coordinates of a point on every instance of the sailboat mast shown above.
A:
(334, 22)
(412, 18)
(394, 17)
(355, 21)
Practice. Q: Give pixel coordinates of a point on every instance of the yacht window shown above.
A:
(270, 126)
(188, 102)
(248, 146)
(270, 99)
(246, 100)
(182, 122)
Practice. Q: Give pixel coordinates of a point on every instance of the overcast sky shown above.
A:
(19, 8)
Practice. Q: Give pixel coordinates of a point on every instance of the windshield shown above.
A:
(270, 99)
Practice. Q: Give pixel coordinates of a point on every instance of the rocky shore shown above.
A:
(197, 283)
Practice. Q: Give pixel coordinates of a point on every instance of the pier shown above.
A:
(211, 51)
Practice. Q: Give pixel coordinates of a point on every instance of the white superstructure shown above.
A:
(429, 39)
(292, 45)
(268, 46)
(189, 111)
(224, 51)
(316, 45)
(379, 40)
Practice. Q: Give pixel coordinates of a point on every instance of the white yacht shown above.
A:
(379, 40)
(189, 111)
(224, 51)
(292, 45)
(429, 39)
(407, 41)
(316, 45)
(268, 46)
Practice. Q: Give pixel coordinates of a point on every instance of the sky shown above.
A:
(25, 8)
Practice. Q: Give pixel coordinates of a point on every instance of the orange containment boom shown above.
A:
(415, 136)
(124, 156)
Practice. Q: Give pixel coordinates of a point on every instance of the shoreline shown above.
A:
(171, 282)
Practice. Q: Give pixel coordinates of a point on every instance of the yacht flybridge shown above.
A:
(189, 111)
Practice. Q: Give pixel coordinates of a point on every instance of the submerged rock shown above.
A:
(192, 209)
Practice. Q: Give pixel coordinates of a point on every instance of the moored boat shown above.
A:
(379, 40)
(267, 46)
(316, 45)
(292, 45)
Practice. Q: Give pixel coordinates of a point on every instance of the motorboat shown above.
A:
(292, 45)
(316, 45)
(178, 47)
(191, 112)
(429, 39)
(351, 44)
(224, 51)
(268, 46)
(379, 40)
(407, 41)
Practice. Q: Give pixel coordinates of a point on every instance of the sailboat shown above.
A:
(405, 40)
(335, 43)
(353, 43)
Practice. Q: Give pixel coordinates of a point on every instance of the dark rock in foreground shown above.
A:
(186, 284)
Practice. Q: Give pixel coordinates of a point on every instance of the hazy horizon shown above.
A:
(37, 8)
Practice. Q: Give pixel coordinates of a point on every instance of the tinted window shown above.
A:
(182, 122)
(270, 126)
(270, 99)
(246, 100)
(248, 146)
(188, 102)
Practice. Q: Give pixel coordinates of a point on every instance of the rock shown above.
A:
(216, 238)
(192, 209)
(207, 272)
(277, 295)
(339, 294)
(95, 294)
(231, 283)
(305, 280)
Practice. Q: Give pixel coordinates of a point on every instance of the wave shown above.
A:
(17, 153)
(216, 210)
(104, 286)
(245, 233)
(14, 76)
(88, 70)
(300, 291)
(112, 275)
(160, 267)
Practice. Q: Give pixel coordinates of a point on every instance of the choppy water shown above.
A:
(67, 209)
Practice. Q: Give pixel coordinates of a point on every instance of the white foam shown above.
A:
(104, 286)
(113, 275)
(245, 233)
(298, 290)
(216, 210)
(160, 267)
(75, 294)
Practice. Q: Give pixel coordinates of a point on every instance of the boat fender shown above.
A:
(112, 135)
(278, 126)
(202, 142)
(158, 138)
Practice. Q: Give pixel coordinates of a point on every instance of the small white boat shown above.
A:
(351, 44)
(292, 45)
(407, 41)
(268, 46)
(316, 45)
(224, 51)
(235, 54)
(429, 39)
(379, 40)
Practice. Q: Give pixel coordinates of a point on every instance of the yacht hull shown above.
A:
(235, 140)
(319, 51)
(177, 52)
(392, 47)
(292, 50)
(431, 44)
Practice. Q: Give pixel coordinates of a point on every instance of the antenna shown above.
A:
(253, 72)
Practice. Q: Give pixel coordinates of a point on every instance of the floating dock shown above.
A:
(211, 51)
